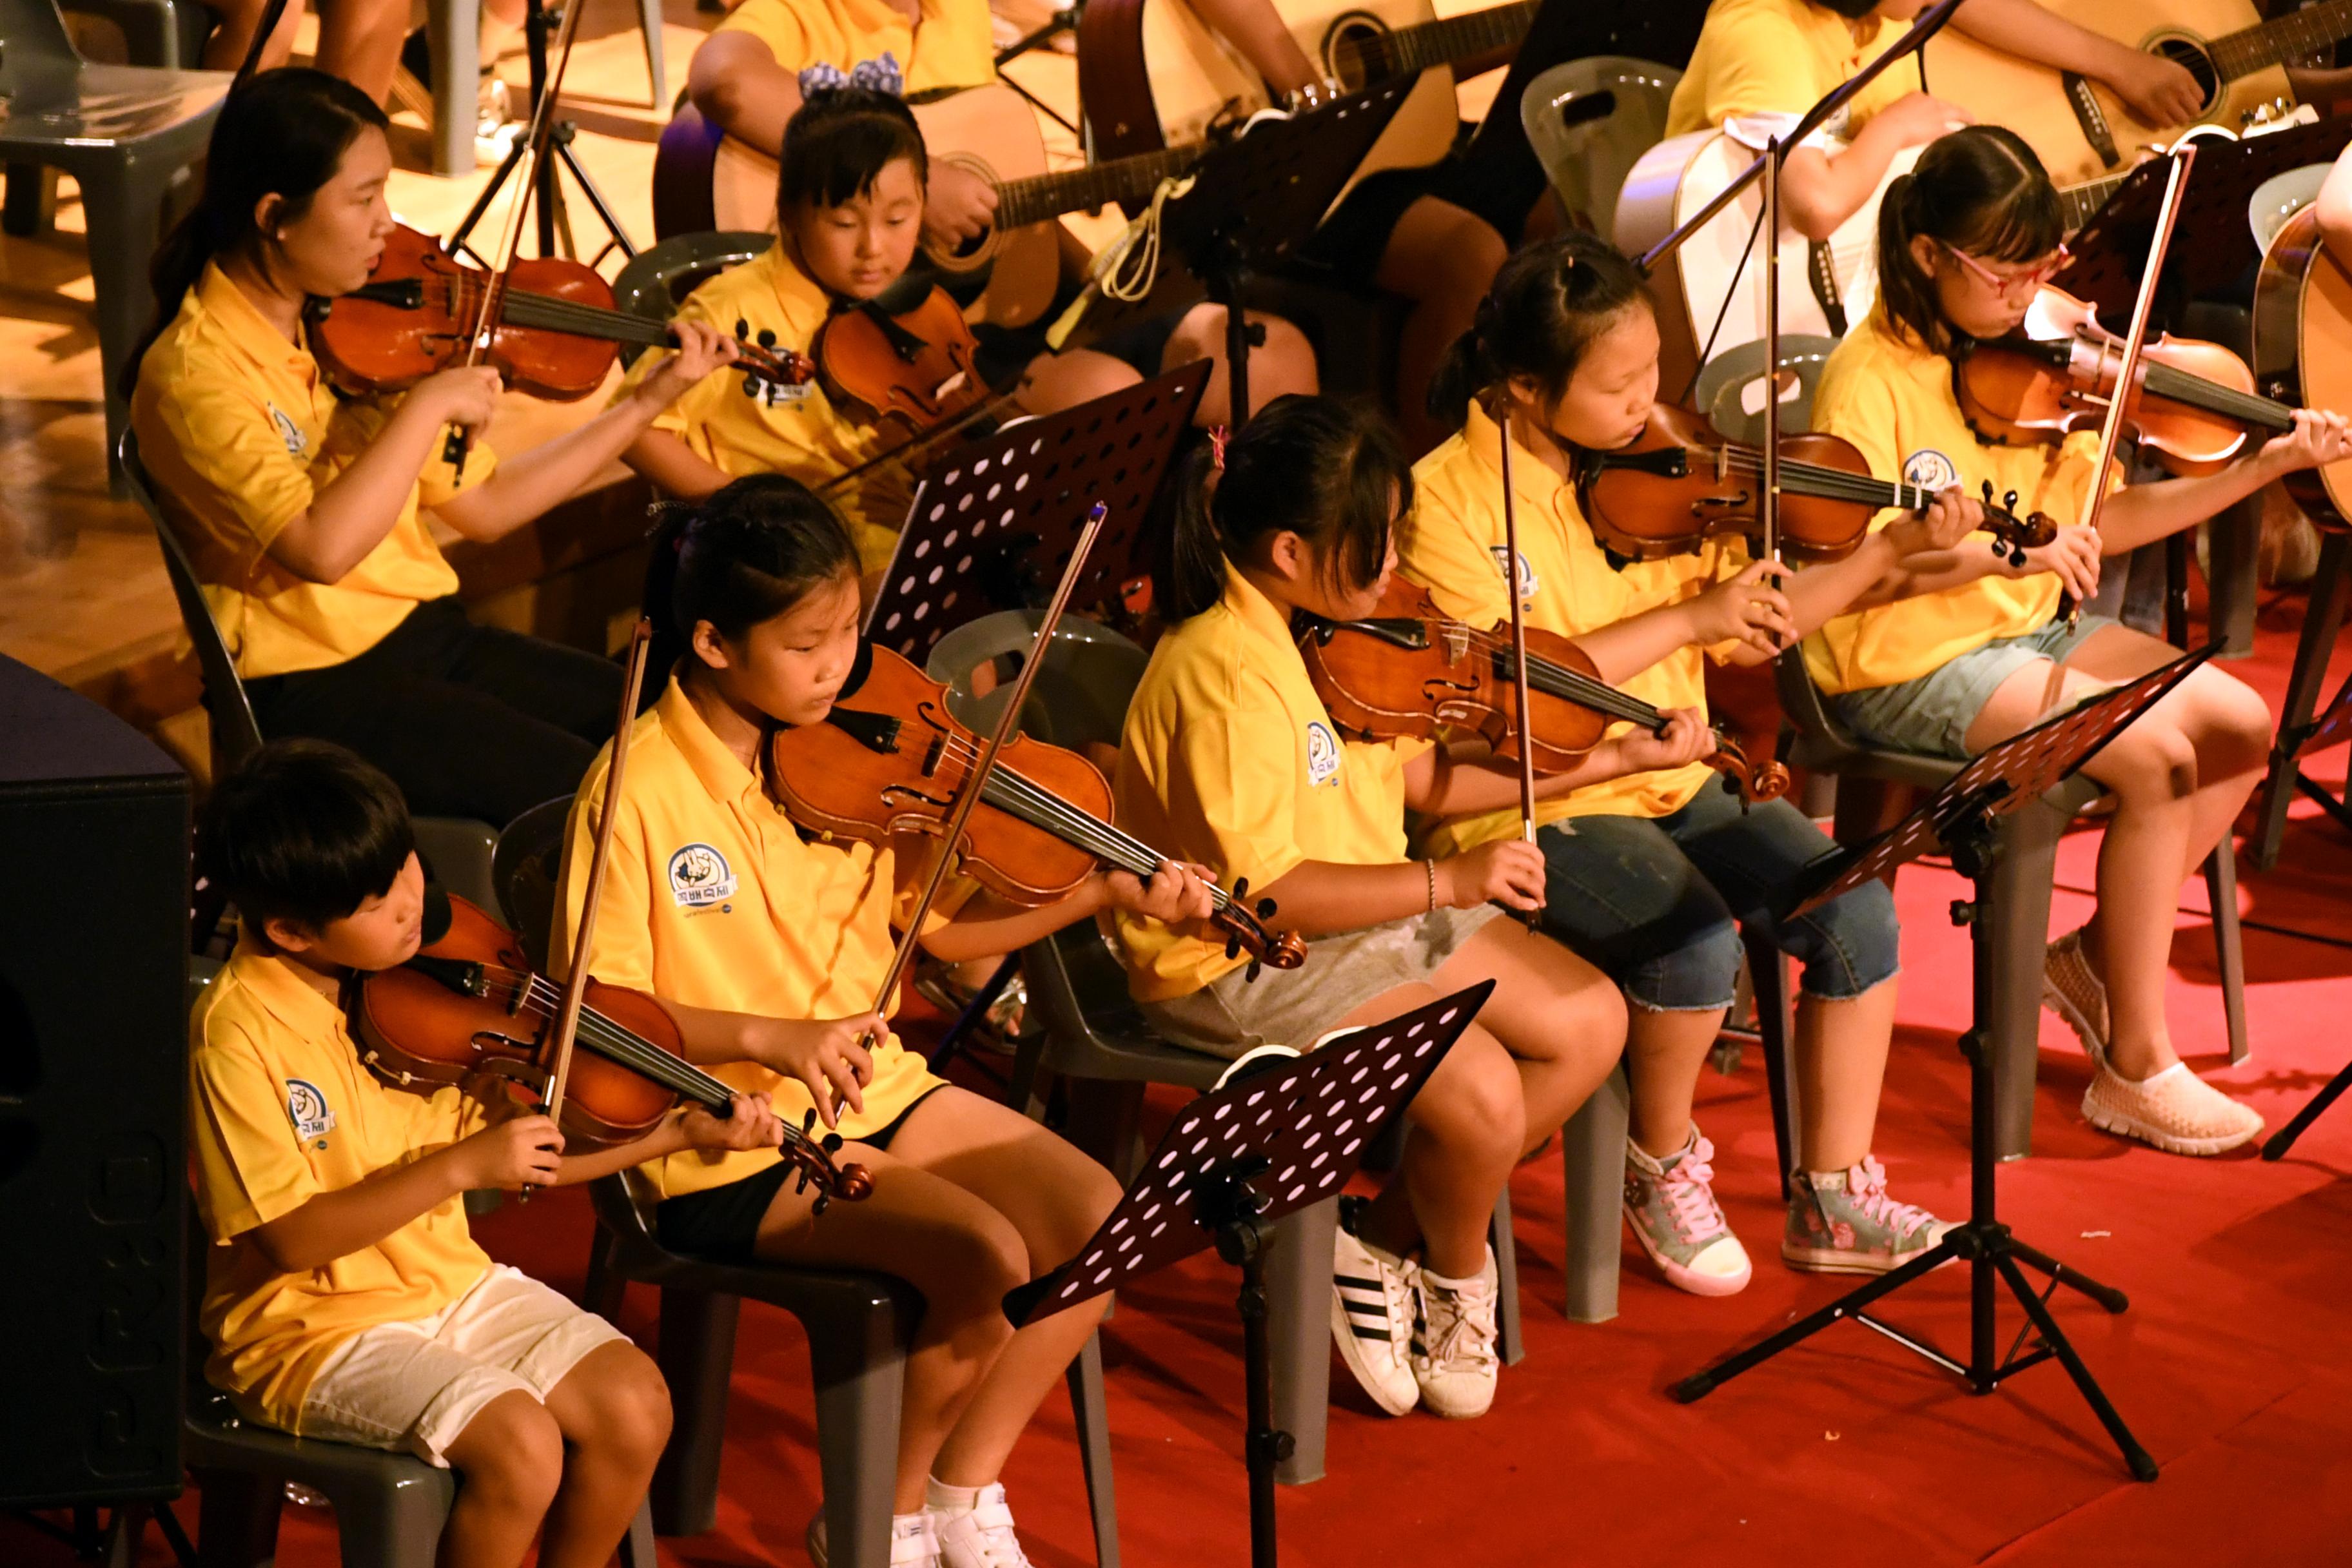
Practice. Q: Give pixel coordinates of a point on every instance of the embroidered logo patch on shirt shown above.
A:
(307, 1107)
(699, 876)
(1528, 581)
(297, 443)
(1322, 754)
(776, 395)
(1930, 469)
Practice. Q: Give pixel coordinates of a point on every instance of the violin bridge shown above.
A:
(1457, 642)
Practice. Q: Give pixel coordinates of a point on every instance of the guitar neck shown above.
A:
(1408, 51)
(2080, 203)
(2250, 50)
(1020, 203)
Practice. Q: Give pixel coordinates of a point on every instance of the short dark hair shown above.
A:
(305, 832)
(839, 140)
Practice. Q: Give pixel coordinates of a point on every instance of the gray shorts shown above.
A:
(1932, 714)
(1233, 1015)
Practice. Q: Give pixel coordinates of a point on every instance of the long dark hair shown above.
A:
(746, 553)
(1545, 307)
(1330, 472)
(282, 133)
(1980, 190)
(838, 142)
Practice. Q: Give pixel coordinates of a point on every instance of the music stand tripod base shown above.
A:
(1236, 1160)
(1959, 820)
(548, 198)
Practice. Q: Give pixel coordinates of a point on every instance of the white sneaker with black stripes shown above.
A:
(1373, 1304)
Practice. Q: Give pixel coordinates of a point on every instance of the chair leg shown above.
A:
(395, 1526)
(604, 1289)
(696, 1350)
(1090, 1410)
(1592, 1161)
(122, 214)
(1298, 1326)
(31, 206)
(453, 32)
(237, 1518)
(1768, 969)
(637, 1549)
(2018, 926)
(1021, 1090)
(2229, 951)
(649, 19)
(1509, 1339)
(859, 1366)
(1105, 1123)
(2322, 618)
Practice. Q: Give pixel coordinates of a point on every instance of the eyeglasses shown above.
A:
(2018, 284)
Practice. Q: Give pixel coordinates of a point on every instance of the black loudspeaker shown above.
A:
(93, 1095)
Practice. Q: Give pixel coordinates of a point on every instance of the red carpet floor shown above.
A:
(2231, 1364)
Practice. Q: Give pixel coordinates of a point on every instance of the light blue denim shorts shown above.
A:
(1932, 714)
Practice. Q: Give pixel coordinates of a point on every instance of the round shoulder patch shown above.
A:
(308, 1109)
(1930, 469)
(1528, 581)
(1323, 754)
(699, 875)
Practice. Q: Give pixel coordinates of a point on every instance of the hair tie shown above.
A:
(1218, 436)
(880, 74)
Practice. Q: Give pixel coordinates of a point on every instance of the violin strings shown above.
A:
(2195, 390)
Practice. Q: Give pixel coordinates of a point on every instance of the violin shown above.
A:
(1683, 484)
(1409, 670)
(906, 359)
(556, 337)
(469, 1005)
(890, 760)
(2192, 402)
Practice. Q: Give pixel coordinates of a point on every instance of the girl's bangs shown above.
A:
(2025, 227)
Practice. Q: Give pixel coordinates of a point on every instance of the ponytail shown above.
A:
(1329, 472)
(284, 133)
(746, 553)
(1980, 189)
(1546, 307)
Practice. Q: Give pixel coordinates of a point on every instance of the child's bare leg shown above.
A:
(1664, 1051)
(1562, 1020)
(511, 1456)
(614, 1412)
(1841, 1066)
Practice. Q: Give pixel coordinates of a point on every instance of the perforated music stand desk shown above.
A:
(1959, 820)
(1255, 200)
(2110, 251)
(1238, 1158)
(994, 523)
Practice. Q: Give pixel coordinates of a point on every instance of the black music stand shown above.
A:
(1959, 820)
(2110, 251)
(992, 523)
(1238, 1158)
(1255, 200)
(549, 209)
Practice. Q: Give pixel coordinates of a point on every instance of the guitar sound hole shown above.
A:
(2191, 56)
(1355, 51)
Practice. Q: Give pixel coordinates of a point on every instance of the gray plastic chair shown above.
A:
(124, 132)
(166, 34)
(656, 280)
(453, 32)
(1590, 120)
(1722, 390)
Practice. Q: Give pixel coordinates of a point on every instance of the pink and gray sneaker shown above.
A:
(1670, 1203)
(1844, 1222)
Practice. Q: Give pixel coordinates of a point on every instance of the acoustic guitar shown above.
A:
(705, 180)
(1152, 74)
(2303, 350)
(2079, 128)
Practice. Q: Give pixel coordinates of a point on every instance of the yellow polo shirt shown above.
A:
(239, 430)
(954, 48)
(1882, 391)
(792, 430)
(713, 899)
(1455, 549)
(1230, 759)
(281, 1110)
(1783, 57)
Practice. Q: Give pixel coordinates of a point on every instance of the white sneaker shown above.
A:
(1372, 1315)
(914, 1542)
(2176, 1110)
(980, 1536)
(1454, 1357)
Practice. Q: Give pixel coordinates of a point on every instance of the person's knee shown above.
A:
(630, 1405)
(2241, 724)
(1055, 381)
(1473, 1103)
(2156, 763)
(1849, 946)
(967, 1271)
(1282, 364)
(1698, 972)
(511, 1455)
(1472, 254)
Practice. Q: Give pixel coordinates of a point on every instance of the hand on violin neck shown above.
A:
(524, 1151)
(2320, 436)
(701, 350)
(750, 1123)
(1951, 517)
(1686, 738)
(1175, 894)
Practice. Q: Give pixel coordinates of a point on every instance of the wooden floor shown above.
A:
(82, 592)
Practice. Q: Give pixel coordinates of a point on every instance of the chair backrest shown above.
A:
(523, 867)
(657, 280)
(39, 50)
(1081, 695)
(235, 735)
(1590, 120)
(1730, 390)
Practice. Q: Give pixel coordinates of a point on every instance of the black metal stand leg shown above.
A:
(1699, 1385)
(2283, 1139)
(1240, 336)
(2107, 1296)
(2142, 1466)
(1242, 1239)
(973, 1012)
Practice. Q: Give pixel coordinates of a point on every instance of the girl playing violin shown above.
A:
(1981, 651)
(1229, 756)
(309, 517)
(767, 948)
(1647, 876)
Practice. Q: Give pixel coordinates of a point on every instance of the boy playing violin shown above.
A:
(344, 1299)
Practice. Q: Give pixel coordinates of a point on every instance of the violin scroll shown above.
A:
(1245, 928)
(813, 1158)
(1754, 782)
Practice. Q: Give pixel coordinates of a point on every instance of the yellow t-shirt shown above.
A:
(792, 430)
(1783, 57)
(1455, 549)
(281, 1110)
(1229, 759)
(239, 430)
(1882, 391)
(954, 48)
(713, 899)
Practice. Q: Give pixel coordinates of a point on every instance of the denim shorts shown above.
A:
(1657, 903)
(1932, 714)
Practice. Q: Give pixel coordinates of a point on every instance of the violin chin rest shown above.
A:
(436, 912)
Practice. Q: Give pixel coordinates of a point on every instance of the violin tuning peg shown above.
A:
(1249, 976)
(833, 1143)
(824, 1203)
(767, 338)
(2016, 555)
(742, 329)
(751, 386)
(1988, 492)
(1266, 907)
(1233, 947)
(2009, 501)
(808, 1121)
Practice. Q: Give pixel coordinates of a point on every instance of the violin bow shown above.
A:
(272, 14)
(494, 292)
(575, 983)
(1518, 646)
(2112, 428)
(1007, 724)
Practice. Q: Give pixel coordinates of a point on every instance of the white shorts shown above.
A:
(415, 1386)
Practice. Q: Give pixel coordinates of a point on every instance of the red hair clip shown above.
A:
(1218, 436)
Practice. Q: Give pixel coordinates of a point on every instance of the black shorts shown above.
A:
(1005, 351)
(724, 1223)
